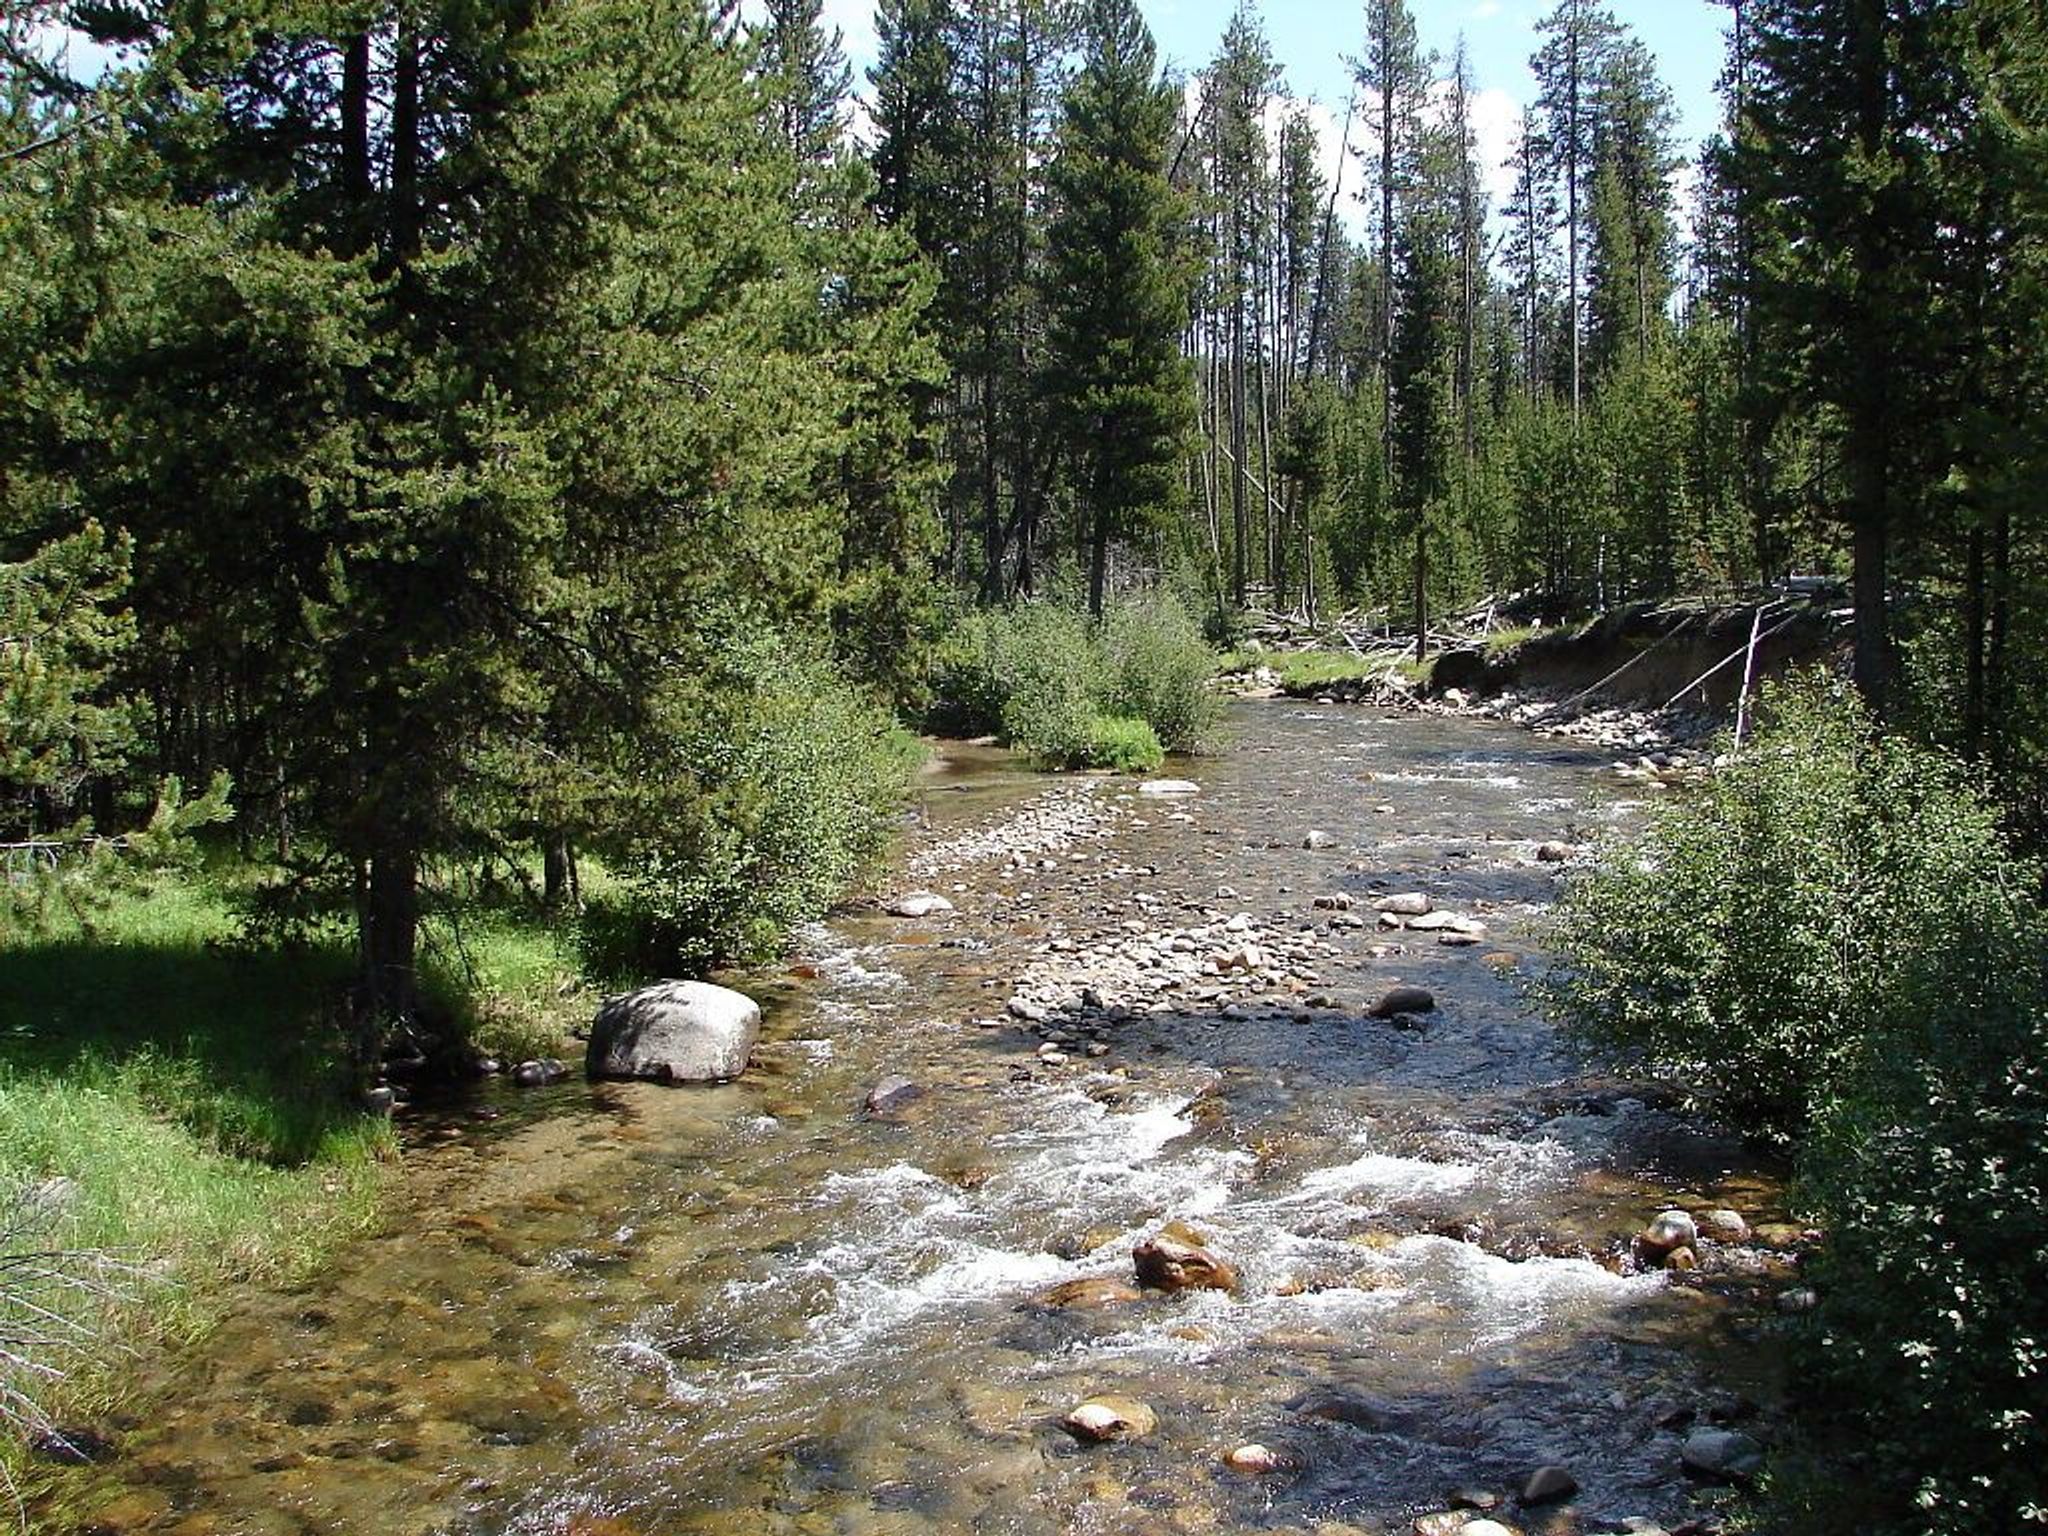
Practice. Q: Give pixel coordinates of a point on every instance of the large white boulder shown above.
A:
(675, 1032)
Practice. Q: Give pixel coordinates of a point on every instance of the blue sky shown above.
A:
(1312, 38)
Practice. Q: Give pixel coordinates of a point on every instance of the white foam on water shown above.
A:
(1504, 1299)
(858, 967)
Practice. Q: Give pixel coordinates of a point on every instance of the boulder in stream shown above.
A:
(1091, 1294)
(1722, 1455)
(1167, 1263)
(1407, 904)
(675, 1032)
(1547, 1485)
(1255, 1460)
(1670, 1232)
(1112, 1417)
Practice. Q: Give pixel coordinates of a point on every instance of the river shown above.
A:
(622, 1309)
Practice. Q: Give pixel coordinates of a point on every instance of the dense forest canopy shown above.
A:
(434, 418)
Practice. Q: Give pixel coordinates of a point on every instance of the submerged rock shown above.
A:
(892, 1094)
(920, 904)
(1168, 1263)
(1724, 1455)
(676, 1032)
(1547, 1485)
(1404, 1000)
(539, 1074)
(1103, 1419)
(1090, 1295)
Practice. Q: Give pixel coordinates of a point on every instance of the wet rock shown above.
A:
(379, 1101)
(920, 904)
(1722, 1455)
(1340, 1405)
(1474, 1498)
(1460, 940)
(70, 1445)
(1318, 842)
(1800, 1299)
(1168, 788)
(1547, 1485)
(1255, 1460)
(1340, 902)
(1408, 904)
(1724, 1226)
(892, 1095)
(1404, 1000)
(1090, 1295)
(1555, 853)
(1682, 1259)
(676, 1032)
(544, 1073)
(1488, 1528)
(1168, 1263)
(1669, 1232)
(1104, 1419)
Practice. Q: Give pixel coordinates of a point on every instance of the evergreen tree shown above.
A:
(1569, 66)
(1118, 291)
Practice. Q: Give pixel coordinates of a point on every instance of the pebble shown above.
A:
(1166, 789)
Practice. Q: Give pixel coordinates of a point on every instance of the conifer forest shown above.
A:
(1078, 634)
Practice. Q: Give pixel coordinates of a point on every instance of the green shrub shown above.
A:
(768, 801)
(1050, 672)
(1158, 669)
(1761, 933)
(1832, 941)
(1042, 676)
(1123, 745)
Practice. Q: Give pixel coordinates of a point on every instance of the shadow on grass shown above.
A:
(241, 1048)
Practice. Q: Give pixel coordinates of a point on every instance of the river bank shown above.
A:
(798, 1303)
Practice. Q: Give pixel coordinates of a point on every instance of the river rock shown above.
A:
(1547, 1485)
(892, 1094)
(1090, 1295)
(1168, 788)
(1317, 842)
(1724, 1455)
(1340, 1405)
(1404, 1000)
(920, 904)
(676, 1032)
(1408, 904)
(1724, 1226)
(1555, 853)
(1167, 1263)
(1487, 1528)
(1103, 1419)
(544, 1073)
(1671, 1231)
(1255, 1460)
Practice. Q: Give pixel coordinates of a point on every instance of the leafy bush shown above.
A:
(1159, 668)
(768, 800)
(1763, 933)
(1832, 940)
(1050, 671)
(1045, 678)
(1127, 746)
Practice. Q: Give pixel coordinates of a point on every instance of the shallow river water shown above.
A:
(758, 1308)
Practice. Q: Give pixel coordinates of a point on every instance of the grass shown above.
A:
(189, 1091)
(189, 1095)
(1307, 672)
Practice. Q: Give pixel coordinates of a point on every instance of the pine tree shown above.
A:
(1569, 66)
(1118, 289)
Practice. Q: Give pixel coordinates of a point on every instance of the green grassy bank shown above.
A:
(176, 1099)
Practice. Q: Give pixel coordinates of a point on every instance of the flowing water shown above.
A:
(626, 1309)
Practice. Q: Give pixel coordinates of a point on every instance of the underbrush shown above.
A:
(1076, 694)
(761, 811)
(1832, 944)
